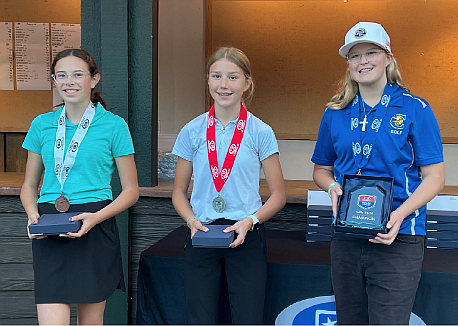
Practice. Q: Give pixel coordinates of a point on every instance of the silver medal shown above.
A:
(219, 204)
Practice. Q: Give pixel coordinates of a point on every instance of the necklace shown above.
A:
(364, 122)
(362, 143)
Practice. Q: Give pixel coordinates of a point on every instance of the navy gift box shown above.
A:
(49, 224)
(443, 209)
(214, 238)
(442, 244)
(442, 222)
(317, 237)
(319, 204)
(319, 216)
(442, 235)
(438, 226)
(320, 229)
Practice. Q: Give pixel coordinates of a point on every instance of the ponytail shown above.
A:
(96, 97)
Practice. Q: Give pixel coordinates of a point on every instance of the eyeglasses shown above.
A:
(370, 56)
(77, 77)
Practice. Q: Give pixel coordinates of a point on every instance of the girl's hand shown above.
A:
(393, 225)
(194, 224)
(336, 192)
(88, 222)
(33, 219)
(241, 228)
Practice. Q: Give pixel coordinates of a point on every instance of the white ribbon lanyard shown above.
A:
(62, 166)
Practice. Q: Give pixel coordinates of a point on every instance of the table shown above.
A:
(297, 270)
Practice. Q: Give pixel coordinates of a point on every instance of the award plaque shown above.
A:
(364, 207)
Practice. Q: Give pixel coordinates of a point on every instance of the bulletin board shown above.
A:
(293, 48)
(19, 107)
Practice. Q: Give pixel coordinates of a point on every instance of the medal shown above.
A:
(64, 161)
(62, 204)
(220, 177)
(219, 204)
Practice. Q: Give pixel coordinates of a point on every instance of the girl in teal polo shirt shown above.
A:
(77, 148)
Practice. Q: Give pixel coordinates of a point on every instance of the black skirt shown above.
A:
(80, 270)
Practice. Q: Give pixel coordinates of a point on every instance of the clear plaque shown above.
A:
(364, 207)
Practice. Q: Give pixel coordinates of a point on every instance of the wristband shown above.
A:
(187, 221)
(332, 185)
(255, 221)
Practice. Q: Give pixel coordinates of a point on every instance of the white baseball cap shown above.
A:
(366, 32)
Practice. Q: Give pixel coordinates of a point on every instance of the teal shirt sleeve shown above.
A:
(32, 141)
(122, 140)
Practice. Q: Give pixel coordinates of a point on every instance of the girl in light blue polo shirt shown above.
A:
(77, 148)
(225, 148)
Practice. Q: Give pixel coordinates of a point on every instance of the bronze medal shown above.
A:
(62, 204)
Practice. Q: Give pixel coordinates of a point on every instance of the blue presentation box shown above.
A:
(441, 226)
(51, 224)
(442, 235)
(441, 244)
(321, 229)
(317, 237)
(319, 220)
(442, 209)
(318, 204)
(214, 238)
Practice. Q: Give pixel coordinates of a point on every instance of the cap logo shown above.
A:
(360, 32)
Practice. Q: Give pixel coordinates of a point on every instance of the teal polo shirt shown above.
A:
(90, 177)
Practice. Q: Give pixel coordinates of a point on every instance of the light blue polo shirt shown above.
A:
(409, 138)
(89, 179)
(241, 190)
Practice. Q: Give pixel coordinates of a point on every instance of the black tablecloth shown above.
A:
(297, 270)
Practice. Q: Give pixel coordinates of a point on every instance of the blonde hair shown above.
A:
(348, 87)
(237, 57)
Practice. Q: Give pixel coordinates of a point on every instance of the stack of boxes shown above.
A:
(319, 216)
(442, 222)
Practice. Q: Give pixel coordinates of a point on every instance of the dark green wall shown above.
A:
(118, 33)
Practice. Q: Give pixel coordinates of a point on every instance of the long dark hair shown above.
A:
(93, 70)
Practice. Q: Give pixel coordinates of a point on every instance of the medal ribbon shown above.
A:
(219, 178)
(63, 166)
(362, 146)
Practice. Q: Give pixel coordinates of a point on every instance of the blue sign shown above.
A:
(318, 311)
